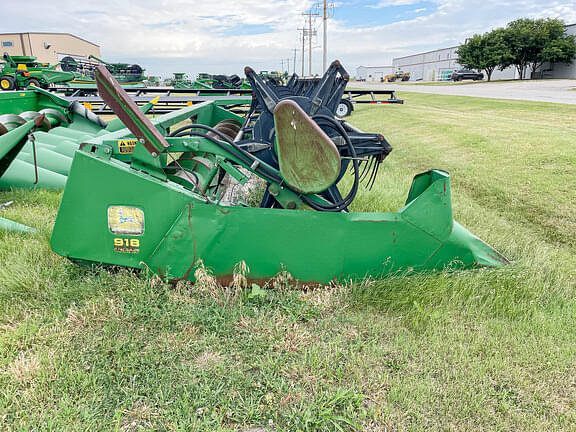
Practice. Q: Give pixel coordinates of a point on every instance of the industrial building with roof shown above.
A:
(373, 73)
(48, 47)
(439, 64)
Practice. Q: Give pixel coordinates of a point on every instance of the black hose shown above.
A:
(249, 159)
(238, 152)
(345, 202)
(201, 126)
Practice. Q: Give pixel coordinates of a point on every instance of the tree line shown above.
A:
(524, 43)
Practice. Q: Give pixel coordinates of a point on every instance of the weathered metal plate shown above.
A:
(127, 111)
(308, 159)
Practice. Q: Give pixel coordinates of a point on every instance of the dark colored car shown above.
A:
(463, 74)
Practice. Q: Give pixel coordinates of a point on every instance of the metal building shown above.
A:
(560, 70)
(437, 65)
(373, 73)
(47, 47)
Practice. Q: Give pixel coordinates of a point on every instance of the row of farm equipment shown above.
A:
(208, 184)
(76, 78)
(19, 72)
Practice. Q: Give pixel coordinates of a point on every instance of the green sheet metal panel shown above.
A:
(177, 230)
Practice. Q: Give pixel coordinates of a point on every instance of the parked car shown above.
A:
(463, 74)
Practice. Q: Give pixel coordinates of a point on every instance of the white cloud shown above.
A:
(388, 3)
(195, 36)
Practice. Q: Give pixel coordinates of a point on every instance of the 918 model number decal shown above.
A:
(124, 245)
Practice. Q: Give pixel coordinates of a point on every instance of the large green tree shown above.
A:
(483, 52)
(532, 42)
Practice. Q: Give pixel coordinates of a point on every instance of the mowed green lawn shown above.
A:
(481, 350)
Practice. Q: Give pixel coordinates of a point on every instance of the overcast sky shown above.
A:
(223, 36)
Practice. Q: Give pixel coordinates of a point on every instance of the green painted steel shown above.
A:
(11, 144)
(55, 143)
(71, 125)
(179, 229)
(173, 225)
(8, 225)
(150, 211)
(21, 71)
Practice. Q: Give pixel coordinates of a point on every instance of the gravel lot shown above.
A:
(557, 91)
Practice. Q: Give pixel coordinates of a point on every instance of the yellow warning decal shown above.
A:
(125, 220)
(126, 146)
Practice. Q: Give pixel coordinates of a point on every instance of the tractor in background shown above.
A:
(22, 71)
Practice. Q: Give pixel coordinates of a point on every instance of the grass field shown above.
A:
(480, 350)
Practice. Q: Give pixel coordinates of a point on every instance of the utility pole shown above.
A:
(294, 63)
(303, 30)
(287, 70)
(325, 37)
(310, 42)
(309, 15)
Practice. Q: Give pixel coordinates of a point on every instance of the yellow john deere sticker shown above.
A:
(124, 220)
(126, 146)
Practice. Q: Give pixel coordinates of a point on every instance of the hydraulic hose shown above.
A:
(201, 126)
(249, 160)
(237, 151)
(345, 202)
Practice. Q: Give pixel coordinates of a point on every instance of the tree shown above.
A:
(483, 52)
(532, 42)
(561, 50)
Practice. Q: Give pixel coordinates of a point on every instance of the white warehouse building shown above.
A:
(437, 65)
(373, 73)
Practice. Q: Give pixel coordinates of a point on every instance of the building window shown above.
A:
(7, 44)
